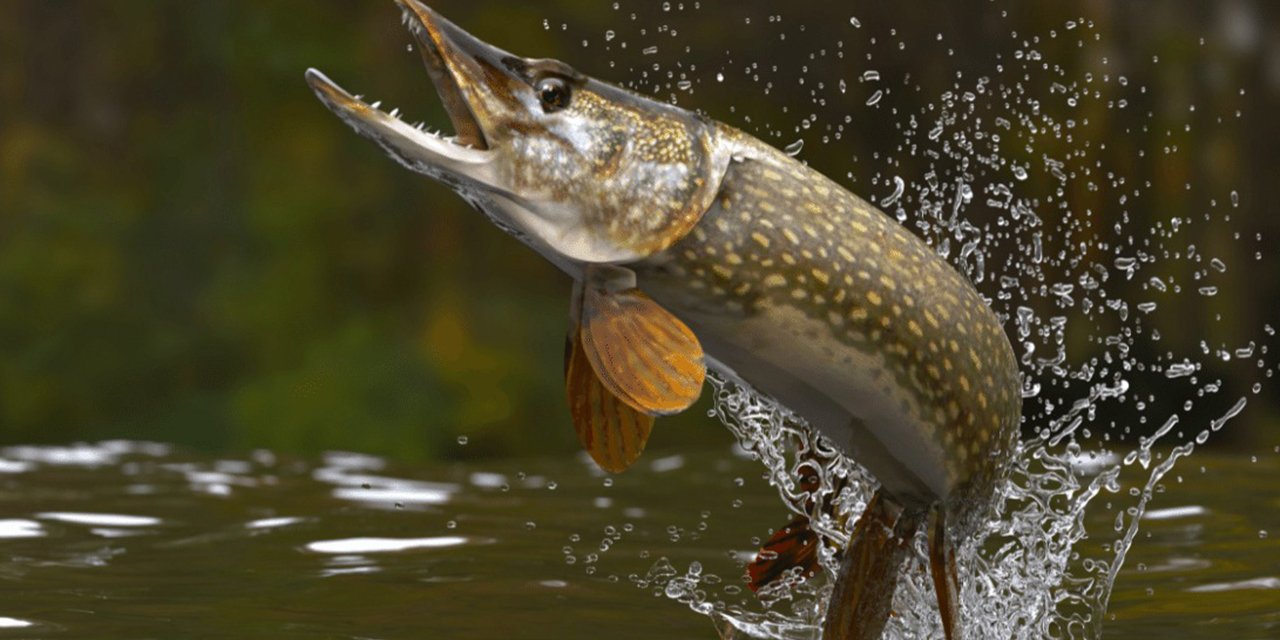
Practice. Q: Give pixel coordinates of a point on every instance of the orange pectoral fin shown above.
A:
(640, 352)
(795, 545)
(610, 430)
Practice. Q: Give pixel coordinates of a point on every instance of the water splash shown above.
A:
(991, 174)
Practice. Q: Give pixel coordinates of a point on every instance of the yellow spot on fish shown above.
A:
(722, 271)
(932, 320)
(821, 276)
(791, 236)
(774, 280)
(858, 314)
(888, 283)
(915, 328)
(760, 239)
(874, 298)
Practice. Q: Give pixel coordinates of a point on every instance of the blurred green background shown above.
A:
(193, 250)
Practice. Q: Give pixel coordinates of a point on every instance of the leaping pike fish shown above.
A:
(683, 234)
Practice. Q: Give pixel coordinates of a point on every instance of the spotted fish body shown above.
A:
(818, 298)
(690, 242)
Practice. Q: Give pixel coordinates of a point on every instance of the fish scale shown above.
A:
(783, 236)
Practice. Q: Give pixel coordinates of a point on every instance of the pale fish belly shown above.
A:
(847, 393)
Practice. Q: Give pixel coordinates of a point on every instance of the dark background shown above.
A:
(193, 250)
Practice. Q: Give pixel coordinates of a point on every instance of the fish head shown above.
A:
(583, 171)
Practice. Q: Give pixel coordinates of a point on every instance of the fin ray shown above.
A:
(795, 545)
(640, 352)
(611, 431)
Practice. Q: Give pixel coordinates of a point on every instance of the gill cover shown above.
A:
(583, 171)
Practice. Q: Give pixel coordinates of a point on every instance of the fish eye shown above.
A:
(554, 93)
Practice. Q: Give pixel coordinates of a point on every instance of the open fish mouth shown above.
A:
(445, 51)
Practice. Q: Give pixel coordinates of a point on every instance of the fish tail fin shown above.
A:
(860, 604)
(942, 564)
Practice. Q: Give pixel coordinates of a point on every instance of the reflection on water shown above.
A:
(136, 540)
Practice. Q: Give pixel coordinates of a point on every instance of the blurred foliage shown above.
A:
(193, 250)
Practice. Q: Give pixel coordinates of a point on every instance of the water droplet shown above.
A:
(857, 24)
(875, 98)
(898, 187)
(463, 440)
(794, 148)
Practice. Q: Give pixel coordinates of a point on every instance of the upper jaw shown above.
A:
(446, 51)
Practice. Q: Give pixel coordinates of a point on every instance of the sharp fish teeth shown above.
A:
(377, 104)
(395, 113)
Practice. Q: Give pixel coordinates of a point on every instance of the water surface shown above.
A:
(127, 539)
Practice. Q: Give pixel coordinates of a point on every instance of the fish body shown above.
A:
(817, 298)
(691, 242)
